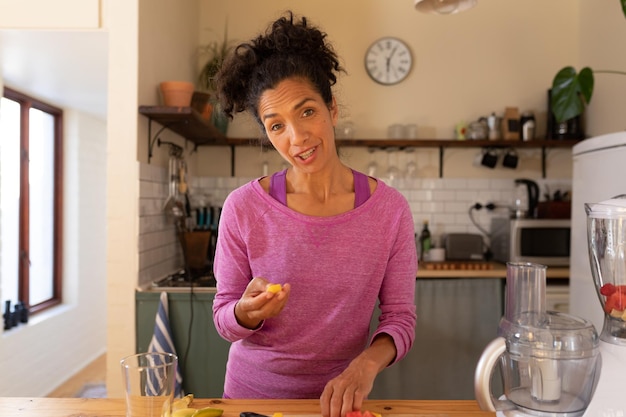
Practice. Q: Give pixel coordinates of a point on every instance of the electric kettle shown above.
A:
(549, 361)
(532, 198)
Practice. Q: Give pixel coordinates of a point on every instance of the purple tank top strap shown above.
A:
(278, 187)
(361, 188)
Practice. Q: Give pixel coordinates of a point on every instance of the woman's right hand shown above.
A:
(257, 304)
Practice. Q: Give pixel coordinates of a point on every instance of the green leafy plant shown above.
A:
(572, 91)
(214, 53)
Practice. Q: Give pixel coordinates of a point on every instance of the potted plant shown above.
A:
(572, 91)
(214, 53)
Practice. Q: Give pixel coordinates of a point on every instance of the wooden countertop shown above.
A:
(471, 269)
(115, 407)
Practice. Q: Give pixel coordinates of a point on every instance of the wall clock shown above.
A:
(388, 60)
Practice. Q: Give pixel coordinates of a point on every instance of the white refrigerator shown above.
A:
(599, 173)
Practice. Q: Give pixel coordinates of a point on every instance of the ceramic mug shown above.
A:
(489, 158)
(511, 159)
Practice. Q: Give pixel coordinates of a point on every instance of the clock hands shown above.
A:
(393, 51)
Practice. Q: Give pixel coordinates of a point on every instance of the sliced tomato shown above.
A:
(356, 413)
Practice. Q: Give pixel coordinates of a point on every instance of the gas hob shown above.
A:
(182, 281)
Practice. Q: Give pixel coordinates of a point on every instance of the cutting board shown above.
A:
(456, 266)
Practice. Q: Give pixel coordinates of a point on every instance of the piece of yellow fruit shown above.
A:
(208, 412)
(184, 412)
(277, 415)
(182, 402)
(274, 288)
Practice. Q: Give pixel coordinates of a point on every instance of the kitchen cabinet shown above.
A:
(456, 319)
(201, 351)
(188, 123)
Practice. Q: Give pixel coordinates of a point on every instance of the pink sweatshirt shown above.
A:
(338, 268)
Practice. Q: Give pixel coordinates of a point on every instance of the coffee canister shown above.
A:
(527, 124)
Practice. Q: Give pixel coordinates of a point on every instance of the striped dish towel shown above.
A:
(162, 342)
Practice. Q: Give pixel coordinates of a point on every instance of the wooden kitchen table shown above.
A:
(115, 407)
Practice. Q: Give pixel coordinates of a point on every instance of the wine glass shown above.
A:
(393, 173)
(372, 167)
(411, 166)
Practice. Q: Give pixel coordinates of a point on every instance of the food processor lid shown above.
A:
(613, 207)
(552, 335)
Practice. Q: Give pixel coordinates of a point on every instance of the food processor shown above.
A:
(606, 233)
(549, 361)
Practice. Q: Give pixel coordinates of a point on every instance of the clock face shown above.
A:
(388, 61)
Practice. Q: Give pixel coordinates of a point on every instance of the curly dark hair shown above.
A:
(288, 49)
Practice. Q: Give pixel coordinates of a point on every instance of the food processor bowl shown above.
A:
(549, 361)
(551, 367)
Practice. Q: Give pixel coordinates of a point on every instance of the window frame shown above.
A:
(26, 103)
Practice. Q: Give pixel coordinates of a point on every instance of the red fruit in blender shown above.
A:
(607, 289)
(615, 301)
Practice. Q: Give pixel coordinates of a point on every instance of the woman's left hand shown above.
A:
(346, 392)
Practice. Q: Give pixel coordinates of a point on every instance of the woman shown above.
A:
(337, 240)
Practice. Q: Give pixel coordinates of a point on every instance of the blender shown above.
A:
(606, 233)
(548, 361)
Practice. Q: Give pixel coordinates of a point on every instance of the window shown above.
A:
(31, 203)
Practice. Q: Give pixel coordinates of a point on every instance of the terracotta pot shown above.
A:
(200, 101)
(176, 93)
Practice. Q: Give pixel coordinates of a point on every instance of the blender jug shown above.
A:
(606, 233)
(606, 230)
(548, 360)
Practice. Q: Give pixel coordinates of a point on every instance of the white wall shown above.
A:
(37, 357)
(72, 334)
(150, 41)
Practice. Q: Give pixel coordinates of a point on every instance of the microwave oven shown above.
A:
(542, 241)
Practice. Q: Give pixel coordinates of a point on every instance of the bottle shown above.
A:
(425, 241)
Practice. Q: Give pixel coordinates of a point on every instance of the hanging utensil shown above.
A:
(173, 208)
(183, 189)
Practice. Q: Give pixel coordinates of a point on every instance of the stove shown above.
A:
(184, 281)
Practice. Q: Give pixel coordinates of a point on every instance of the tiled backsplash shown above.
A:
(444, 202)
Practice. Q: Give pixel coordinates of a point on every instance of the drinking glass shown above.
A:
(149, 381)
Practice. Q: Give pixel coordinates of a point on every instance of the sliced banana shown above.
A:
(208, 412)
(182, 402)
(184, 412)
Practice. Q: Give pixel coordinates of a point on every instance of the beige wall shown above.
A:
(467, 65)
(602, 36)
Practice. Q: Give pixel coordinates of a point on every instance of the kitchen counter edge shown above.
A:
(496, 270)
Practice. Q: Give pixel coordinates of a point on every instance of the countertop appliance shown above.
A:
(543, 241)
(549, 360)
(606, 230)
(526, 208)
(598, 173)
(464, 247)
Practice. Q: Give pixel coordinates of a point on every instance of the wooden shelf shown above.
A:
(436, 143)
(188, 123)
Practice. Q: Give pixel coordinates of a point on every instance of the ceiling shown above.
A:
(65, 68)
